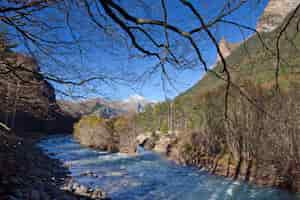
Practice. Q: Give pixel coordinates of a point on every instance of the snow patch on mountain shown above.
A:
(135, 98)
(135, 103)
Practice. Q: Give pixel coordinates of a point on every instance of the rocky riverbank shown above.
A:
(27, 174)
(187, 149)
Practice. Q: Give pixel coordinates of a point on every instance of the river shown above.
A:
(148, 176)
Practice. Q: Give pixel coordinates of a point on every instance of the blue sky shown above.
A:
(247, 15)
(101, 55)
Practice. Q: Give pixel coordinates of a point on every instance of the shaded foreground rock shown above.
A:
(27, 174)
(28, 100)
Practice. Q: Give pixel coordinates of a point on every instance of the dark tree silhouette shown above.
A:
(153, 36)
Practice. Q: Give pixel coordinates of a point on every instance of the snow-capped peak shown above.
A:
(135, 98)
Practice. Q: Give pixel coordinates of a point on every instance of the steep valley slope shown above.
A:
(252, 134)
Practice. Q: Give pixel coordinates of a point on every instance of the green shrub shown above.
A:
(95, 132)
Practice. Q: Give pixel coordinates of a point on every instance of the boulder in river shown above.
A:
(82, 190)
(147, 140)
(164, 144)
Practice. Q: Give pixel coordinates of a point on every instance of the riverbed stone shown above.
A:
(146, 140)
(82, 190)
(164, 143)
(98, 194)
(74, 186)
(142, 138)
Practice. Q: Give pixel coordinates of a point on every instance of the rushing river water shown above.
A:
(147, 176)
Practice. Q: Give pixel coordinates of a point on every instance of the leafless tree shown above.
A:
(153, 35)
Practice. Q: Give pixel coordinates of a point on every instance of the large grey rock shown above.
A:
(164, 144)
(147, 140)
(142, 138)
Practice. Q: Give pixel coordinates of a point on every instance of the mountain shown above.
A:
(96, 106)
(134, 103)
(252, 61)
(254, 135)
(252, 68)
(104, 108)
(274, 14)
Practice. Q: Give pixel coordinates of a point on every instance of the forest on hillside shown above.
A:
(258, 124)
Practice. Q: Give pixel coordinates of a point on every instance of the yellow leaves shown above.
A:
(121, 122)
(88, 121)
(91, 120)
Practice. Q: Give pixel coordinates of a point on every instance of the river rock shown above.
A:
(82, 190)
(76, 188)
(89, 173)
(142, 138)
(146, 140)
(164, 143)
(98, 194)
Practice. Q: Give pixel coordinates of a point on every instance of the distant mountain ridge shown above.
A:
(105, 108)
(134, 103)
(95, 106)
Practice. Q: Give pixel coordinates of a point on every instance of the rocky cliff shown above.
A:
(272, 17)
(27, 100)
(226, 48)
(274, 14)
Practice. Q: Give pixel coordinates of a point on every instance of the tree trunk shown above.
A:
(238, 168)
(228, 166)
(13, 119)
(248, 171)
